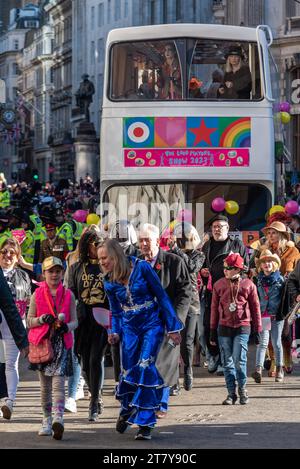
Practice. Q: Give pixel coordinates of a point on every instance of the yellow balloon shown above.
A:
(92, 219)
(285, 117)
(232, 207)
(276, 208)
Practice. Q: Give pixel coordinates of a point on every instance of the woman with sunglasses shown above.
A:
(85, 279)
(235, 306)
(19, 284)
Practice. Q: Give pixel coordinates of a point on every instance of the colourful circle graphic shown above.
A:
(138, 132)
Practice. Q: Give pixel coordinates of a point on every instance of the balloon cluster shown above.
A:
(219, 205)
(83, 216)
(290, 208)
(285, 115)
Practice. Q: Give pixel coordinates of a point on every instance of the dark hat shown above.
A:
(17, 213)
(219, 218)
(234, 50)
(4, 219)
(295, 216)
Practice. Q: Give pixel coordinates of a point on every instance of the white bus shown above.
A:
(178, 128)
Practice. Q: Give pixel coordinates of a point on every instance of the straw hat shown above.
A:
(267, 255)
(277, 226)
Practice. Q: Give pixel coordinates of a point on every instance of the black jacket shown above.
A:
(215, 265)
(194, 260)
(293, 283)
(11, 314)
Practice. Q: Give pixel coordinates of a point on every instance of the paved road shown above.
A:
(196, 418)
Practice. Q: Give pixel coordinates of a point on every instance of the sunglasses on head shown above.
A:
(95, 243)
(8, 251)
(228, 267)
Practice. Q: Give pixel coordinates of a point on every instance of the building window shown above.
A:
(101, 14)
(152, 12)
(31, 24)
(92, 18)
(108, 11)
(16, 44)
(165, 11)
(117, 10)
(15, 69)
(100, 50)
(126, 9)
(178, 10)
(290, 8)
(92, 53)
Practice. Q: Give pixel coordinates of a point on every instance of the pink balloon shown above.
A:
(218, 204)
(80, 216)
(291, 207)
(285, 106)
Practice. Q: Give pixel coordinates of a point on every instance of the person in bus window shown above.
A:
(146, 90)
(170, 75)
(217, 82)
(237, 82)
(194, 88)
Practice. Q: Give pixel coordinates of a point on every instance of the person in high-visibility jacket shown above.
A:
(4, 229)
(64, 229)
(20, 220)
(4, 197)
(77, 229)
(37, 233)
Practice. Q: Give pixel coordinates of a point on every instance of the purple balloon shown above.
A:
(285, 106)
(291, 207)
(218, 204)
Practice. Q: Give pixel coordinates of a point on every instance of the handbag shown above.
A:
(41, 353)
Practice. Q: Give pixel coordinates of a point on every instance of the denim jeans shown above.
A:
(73, 381)
(234, 360)
(275, 332)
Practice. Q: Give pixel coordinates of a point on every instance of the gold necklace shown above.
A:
(93, 261)
(232, 306)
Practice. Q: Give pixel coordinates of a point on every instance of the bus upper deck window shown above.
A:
(223, 70)
(146, 70)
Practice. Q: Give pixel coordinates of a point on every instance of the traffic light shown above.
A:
(35, 174)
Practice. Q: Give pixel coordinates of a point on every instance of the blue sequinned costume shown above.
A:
(141, 311)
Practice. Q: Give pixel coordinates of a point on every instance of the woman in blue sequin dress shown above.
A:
(141, 310)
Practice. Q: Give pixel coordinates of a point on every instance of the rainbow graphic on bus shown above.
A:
(237, 134)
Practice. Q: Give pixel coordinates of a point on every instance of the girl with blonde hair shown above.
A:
(270, 286)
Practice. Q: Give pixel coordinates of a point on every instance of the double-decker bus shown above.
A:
(179, 126)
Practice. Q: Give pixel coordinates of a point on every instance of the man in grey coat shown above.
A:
(175, 279)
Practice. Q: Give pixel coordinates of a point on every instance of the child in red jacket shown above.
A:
(235, 304)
